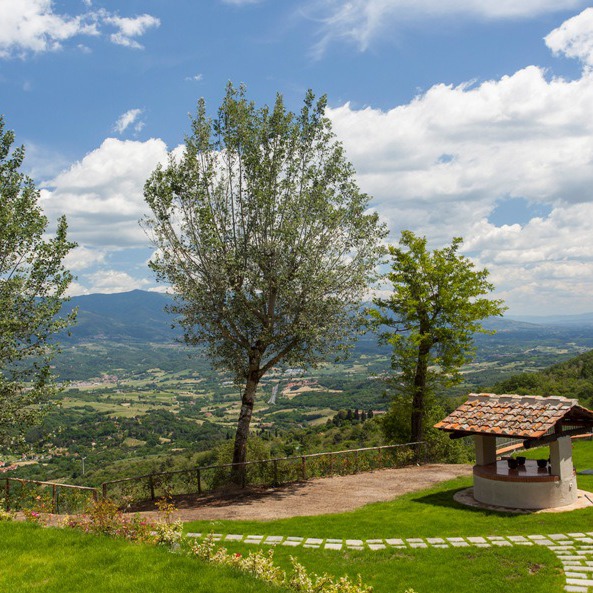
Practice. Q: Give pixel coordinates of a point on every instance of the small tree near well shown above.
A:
(434, 310)
(265, 238)
(33, 282)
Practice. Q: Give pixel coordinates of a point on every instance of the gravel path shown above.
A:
(317, 496)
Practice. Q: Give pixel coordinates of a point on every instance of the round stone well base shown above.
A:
(466, 497)
(526, 487)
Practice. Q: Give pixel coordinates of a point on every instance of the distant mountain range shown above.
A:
(582, 320)
(140, 317)
(137, 316)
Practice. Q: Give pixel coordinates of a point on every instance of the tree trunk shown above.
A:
(420, 378)
(242, 434)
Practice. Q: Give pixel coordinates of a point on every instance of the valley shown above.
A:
(131, 405)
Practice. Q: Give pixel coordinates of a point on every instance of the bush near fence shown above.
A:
(46, 497)
(262, 473)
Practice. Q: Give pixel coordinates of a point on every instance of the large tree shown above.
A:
(265, 238)
(33, 281)
(435, 308)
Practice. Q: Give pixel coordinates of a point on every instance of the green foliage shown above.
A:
(573, 379)
(254, 223)
(105, 518)
(434, 311)
(262, 566)
(33, 282)
(265, 238)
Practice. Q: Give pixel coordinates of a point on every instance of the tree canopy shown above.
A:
(434, 310)
(33, 282)
(265, 238)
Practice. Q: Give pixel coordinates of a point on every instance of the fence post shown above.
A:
(304, 467)
(7, 494)
(54, 499)
(151, 484)
(356, 462)
(276, 472)
(199, 481)
(104, 489)
(96, 495)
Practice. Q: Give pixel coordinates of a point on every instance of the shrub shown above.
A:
(262, 566)
(106, 519)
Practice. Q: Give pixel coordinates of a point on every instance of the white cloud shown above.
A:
(33, 26)
(102, 195)
(195, 78)
(574, 38)
(130, 28)
(359, 21)
(82, 258)
(127, 119)
(110, 281)
(440, 164)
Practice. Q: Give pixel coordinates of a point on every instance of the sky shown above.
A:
(462, 118)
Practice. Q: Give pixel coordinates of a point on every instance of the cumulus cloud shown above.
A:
(522, 135)
(111, 281)
(441, 164)
(360, 21)
(33, 26)
(574, 38)
(102, 195)
(82, 258)
(130, 28)
(127, 119)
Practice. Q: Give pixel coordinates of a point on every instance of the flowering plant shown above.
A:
(261, 565)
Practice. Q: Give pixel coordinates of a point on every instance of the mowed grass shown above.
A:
(467, 570)
(429, 513)
(34, 559)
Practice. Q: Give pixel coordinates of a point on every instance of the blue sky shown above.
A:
(463, 118)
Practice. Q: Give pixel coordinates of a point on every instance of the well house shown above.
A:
(535, 420)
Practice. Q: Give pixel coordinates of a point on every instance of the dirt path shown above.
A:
(318, 496)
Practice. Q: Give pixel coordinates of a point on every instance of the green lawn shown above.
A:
(467, 570)
(429, 513)
(63, 561)
(53, 560)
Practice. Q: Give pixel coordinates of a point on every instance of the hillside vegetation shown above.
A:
(572, 378)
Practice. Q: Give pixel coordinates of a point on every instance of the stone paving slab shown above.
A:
(574, 550)
(332, 546)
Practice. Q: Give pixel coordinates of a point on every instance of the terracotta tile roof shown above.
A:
(519, 416)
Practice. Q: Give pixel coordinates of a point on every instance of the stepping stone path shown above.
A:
(575, 550)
